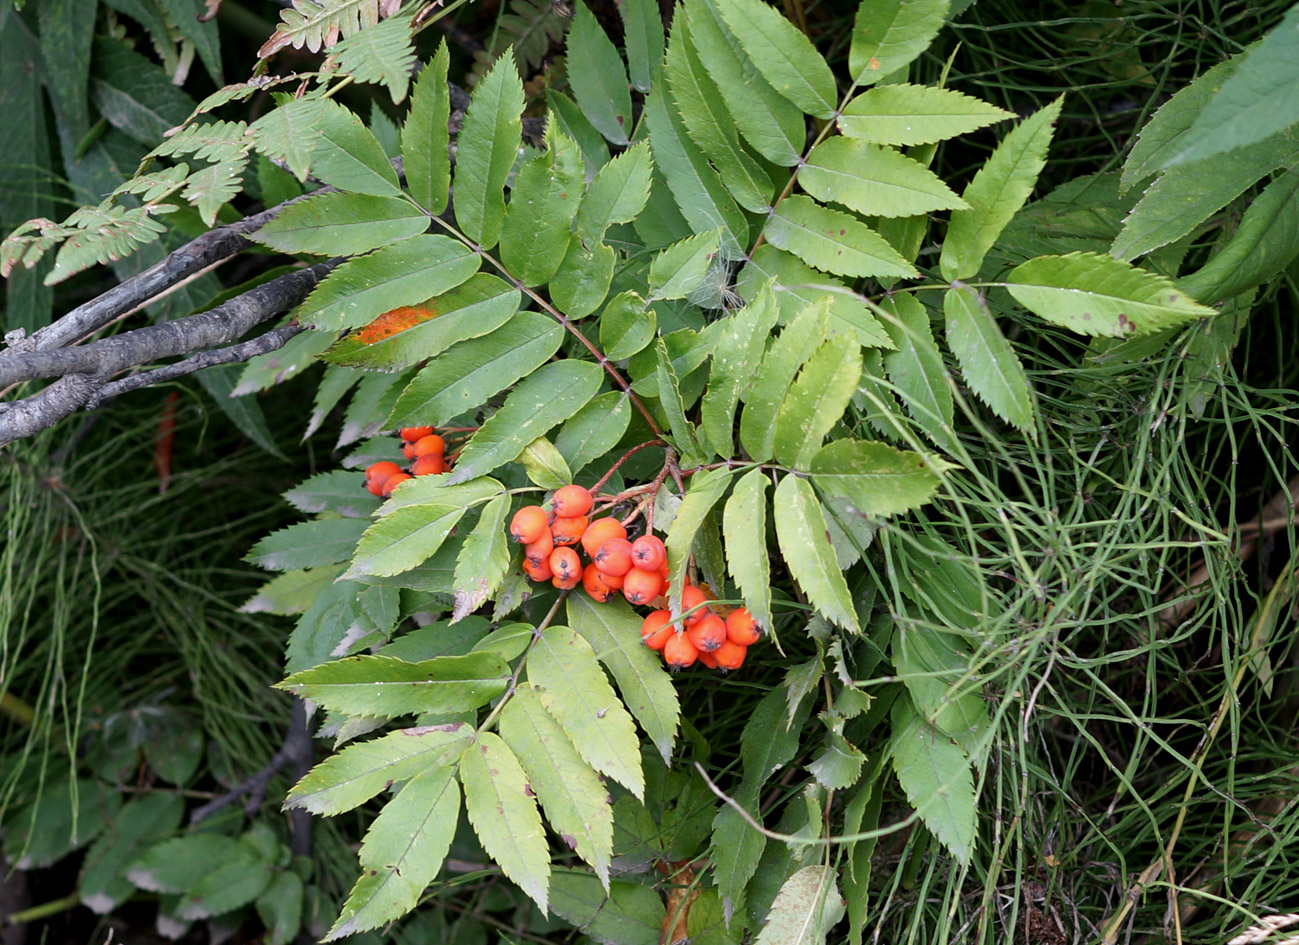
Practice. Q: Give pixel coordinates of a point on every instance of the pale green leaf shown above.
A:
(669, 393)
(334, 490)
(544, 399)
(613, 630)
(989, 364)
(476, 369)
(889, 34)
(838, 765)
(627, 325)
(545, 465)
(424, 136)
(679, 269)
(805, 910)
(348, 155)
(916, 367)
(618, 192)
(292, 592)
(483, 559)
(784, 55)
(735, 361)
(706, 490)
(383, 685)
(404, 538)
(816, 401)
(505, 816)
(915, 114)
(598, 77)
(997, 192)
(801, 533)
(339, 224)
(562, 667)
(288, 133)
(582, 282)
(434, 490)
(543, 200)
(832, 240)
(575, 801)
(594, 430)
(402, 852)
(487, 147)
(874, 181)
(744, 525)
(876, 479)
(307, 544)
(1096, 294)
(209, 189)
(796, 343)
(936, 777)
(405, 273)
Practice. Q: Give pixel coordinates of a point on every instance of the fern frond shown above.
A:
(209, 188)
(321, 25)
(382, 54)
(218, 141)
(155, 186)
(102, 234)
(28, 243)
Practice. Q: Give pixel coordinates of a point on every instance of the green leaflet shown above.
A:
(382, 685)
(476, 307)
(211, 187)
(626, 913)
(382, 53)
(424, 137)
(737, 848)
(570, 120)
(477, 369)
(402, 852)
(838, 765)
(546, 192)
(334, 490)
(875, 478)
(483, 559)
(545, 398)
(679, 269)
(404, 273)
(627, 325)
(769, 122)
(944, 690)
(1258, 100)
(1096, 294)
(594, 430)
(801, 533)
(889, 34)
(916, 367)
(613, 630)
(805, 910)
(936, 776)
(545, 465)
(669, 393)
(796, 287)
(488, 144)
(292, 592)
(266, 370)
(571, 793)
(341, 225)
(706, 490)
(1264, 243)
(406, 535)
(695, 186)
(582, 283)
(816, 401)
(598, 78)
(374, 398)
(744, 525)
(505, 816)
(735, 360)
(618, 192)
(787, 354)
(990, 366)
(915, 114)
(562, 668)
(288, 133)
(687, 350)
(643, 40)
(996, 193)
(785, 57)
(348, 155)
(710, 125)
(307, 544)
(874, 181)
(149, 818)
(831, 240)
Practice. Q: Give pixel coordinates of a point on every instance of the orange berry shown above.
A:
(641, 587)
(431, 445)
(568, 583)
(408, 450)
(656, 629)
(379, 472)
(613, 580)
(566, 564)
(707, 634)
(730, 655)
(708, 659)
(600, 531)
(679, 652)
(528, 524)
(567, 531)
(393, 482)
(537, 572)
(571, 501)
(539, 551)
(429, 464)
(693, 597)
(741, 629)
(649, 553)
(411, 434)
(596, 585)
(614, 556)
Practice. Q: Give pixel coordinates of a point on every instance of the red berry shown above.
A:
(431, 445)
(679, 652)
(741, 629)
(571, 501)
(539, 551)
(692, 597)
(614, 556)
(656, 629)
(430, 464)
(566, 566)
(649, 553)
(537, 572)
(600, 531)
(568, 531)
(528, 524)
(641, 587)
(707, 634)
(730, 655)
(596, 585)
(411, 434)
(393, 482)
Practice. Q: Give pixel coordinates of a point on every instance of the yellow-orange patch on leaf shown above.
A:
(394, 321)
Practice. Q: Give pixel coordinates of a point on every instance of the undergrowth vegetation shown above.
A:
(952, 343)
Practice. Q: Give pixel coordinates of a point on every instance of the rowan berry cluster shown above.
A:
(427, 453)
(638, 569)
